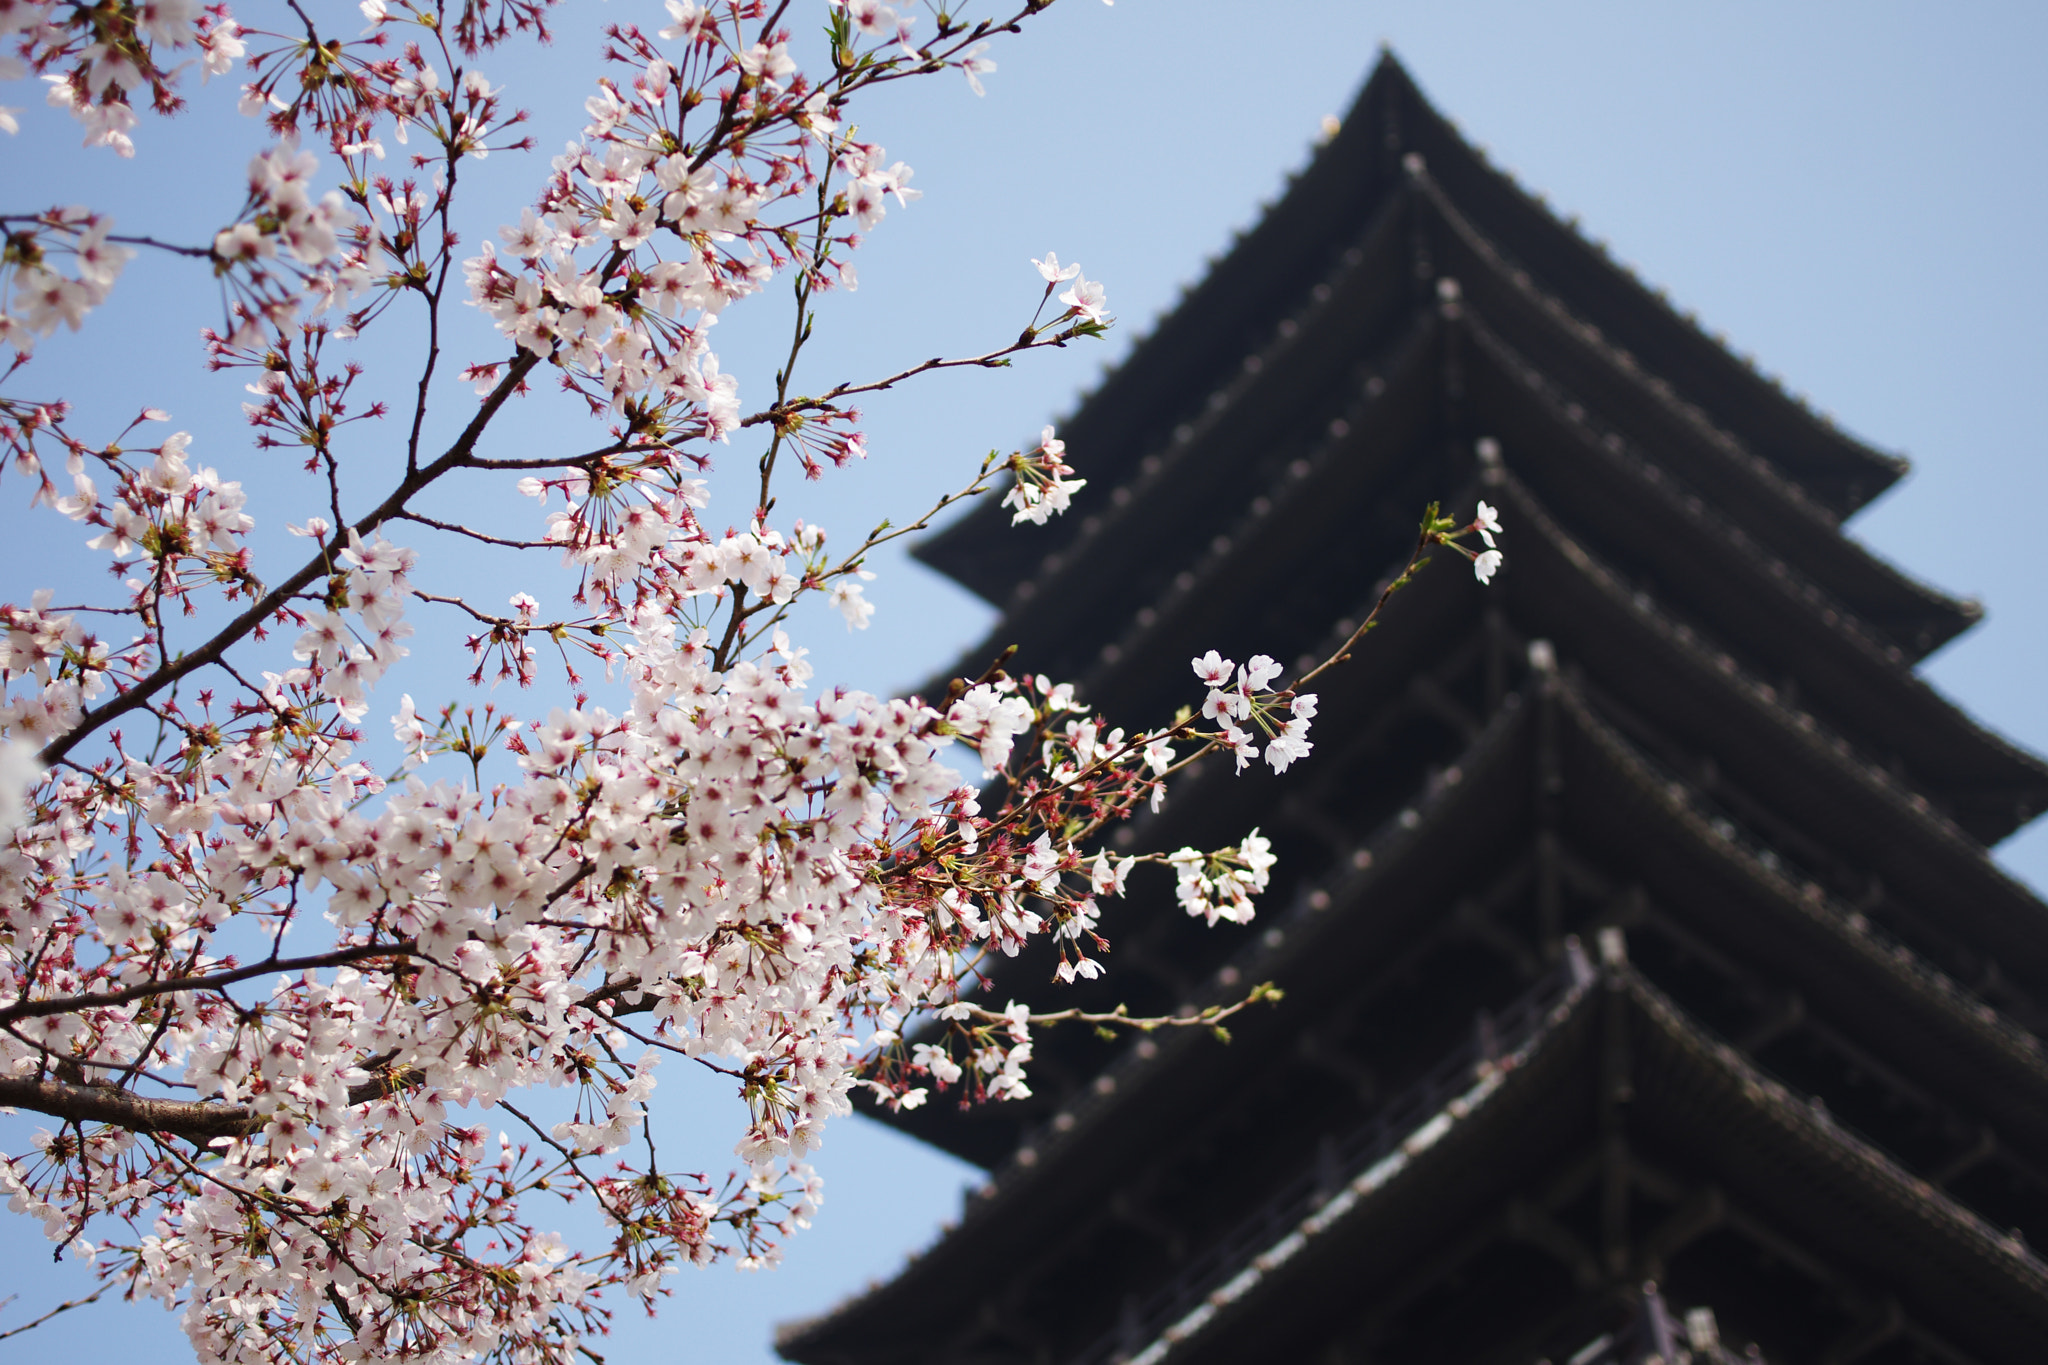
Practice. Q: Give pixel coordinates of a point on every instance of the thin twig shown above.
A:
(783, 411)
(1120, 1017)
(60, 1308)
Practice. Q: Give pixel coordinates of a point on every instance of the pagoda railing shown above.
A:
(1202, 1285)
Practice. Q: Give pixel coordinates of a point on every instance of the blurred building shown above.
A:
(1649, 992)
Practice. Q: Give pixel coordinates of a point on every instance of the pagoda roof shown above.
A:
(1849, 805)
(1699, 567)
(1308, 243)
(1675, 445)
(1674, 442)
(1731, 889)
(1777, 1161)
(1463, 1142)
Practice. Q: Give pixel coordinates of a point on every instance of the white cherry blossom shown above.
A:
(315, 1016)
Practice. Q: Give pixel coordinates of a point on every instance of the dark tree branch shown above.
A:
(197, 1121)
(71, 1004)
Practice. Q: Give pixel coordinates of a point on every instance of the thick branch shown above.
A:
(199, 1121)
(72, 1004)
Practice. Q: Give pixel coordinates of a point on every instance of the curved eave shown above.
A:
(1628, 643)
(1590, 372)
(1890, 1000)
(1842, 472)
(1709, 551)
(1695, 1101)
(1786, 1154)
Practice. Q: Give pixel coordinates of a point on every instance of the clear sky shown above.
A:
(1855, 194)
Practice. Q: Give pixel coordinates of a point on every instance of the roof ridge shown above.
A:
(1654, 299)
(1716, 829)
(1676, 491)
(1691, 641)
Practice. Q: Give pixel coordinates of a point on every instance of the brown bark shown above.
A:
(198, 1121)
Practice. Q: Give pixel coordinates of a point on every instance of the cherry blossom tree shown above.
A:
(284, 1011)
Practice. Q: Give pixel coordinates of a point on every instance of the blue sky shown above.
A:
(1854, 195)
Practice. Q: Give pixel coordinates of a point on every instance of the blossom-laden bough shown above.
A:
(279, 1005)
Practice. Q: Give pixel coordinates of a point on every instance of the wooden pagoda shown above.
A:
(1649, 991)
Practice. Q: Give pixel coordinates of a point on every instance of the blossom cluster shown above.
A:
(276, 993)
(1042, 488)
(95, 59)
(1213, 886)
(37, 295)
(1236, 696)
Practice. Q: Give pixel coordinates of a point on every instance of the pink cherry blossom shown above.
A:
(1214, 670)
(385, 994)
(1085, 300)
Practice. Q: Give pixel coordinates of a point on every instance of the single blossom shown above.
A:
(974, 64)
(1085, 300)
(1053, 271)
(1214, 670)
(1486, 523)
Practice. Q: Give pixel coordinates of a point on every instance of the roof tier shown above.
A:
(1310, 243)
(1600, 1136)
